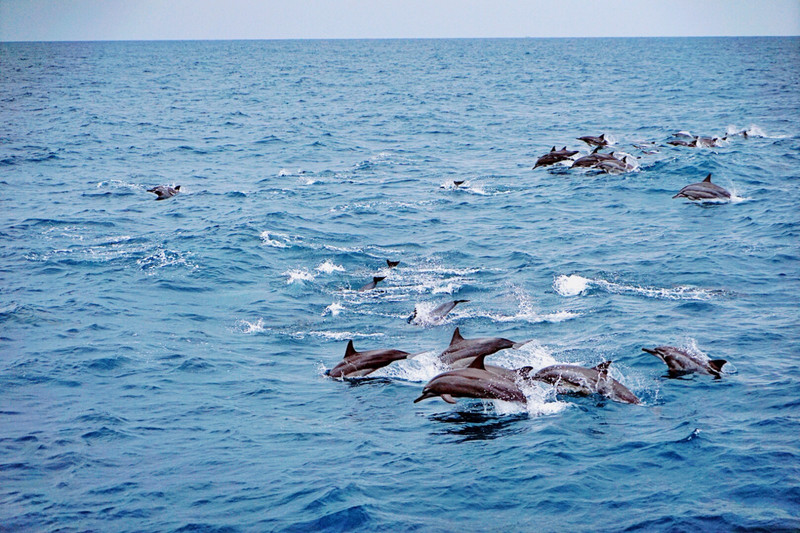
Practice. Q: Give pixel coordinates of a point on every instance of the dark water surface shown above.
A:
(161, 363)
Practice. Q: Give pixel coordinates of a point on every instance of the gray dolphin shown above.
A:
(439, 312)
(592, 159)
(681, 362)
(475, 381)
(615, 166)
(165, 191)
(554, 156)
(573, 379)
(594, 141)
(357, 364)
(371, 285)
(679, 142)
(703, 190)
(462, 352)
(708, 142)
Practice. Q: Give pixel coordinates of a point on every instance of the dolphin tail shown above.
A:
(717, 364)
(518, 345)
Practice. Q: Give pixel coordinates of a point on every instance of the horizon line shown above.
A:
(180, 39)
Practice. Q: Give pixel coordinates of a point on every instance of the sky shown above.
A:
(90, 20)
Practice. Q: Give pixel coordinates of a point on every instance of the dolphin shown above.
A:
(615, 166)
(573, 379)
(371, 285)
(594, 141)
(439, 312)
(165, 191)
(392, 264)
(679, 142)
(681, 362)
(357, 364)
(703, 190)
(707, 142)
(592, 159)
(462, 352)
(554, 156)
(475, 381)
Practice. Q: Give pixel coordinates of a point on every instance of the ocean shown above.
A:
(163, 362)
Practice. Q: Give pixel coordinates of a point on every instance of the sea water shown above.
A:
(162, 362)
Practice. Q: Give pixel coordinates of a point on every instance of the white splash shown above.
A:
(335, 335)
(298, 276)
(329, 267)
(572, 285)
(267, 241)
(334, 309)
(250, 327)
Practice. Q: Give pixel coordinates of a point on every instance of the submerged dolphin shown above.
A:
(165, 191)
(679, 142)
(594, 141)
(439, 312)
(703, 190)
(371, 285)
(462, 352)
(475, 381)
(554, 156)
(681, 362)
(573, 379)
(357, 364)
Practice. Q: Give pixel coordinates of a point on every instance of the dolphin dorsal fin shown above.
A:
(553, 149)
(350, 351)
(377, 279)
(456, 337)
(603, 367)
(708, 179)
(602, 135)
(177, 187)
(564, 149)
(717, 364)
(478, 362)
(597, 149)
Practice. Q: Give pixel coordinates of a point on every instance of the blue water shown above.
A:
(162, 363)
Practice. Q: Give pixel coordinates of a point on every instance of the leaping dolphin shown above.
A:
(165, 191)
(372, 284)
(357, 364)
(592, 159)
(681, 362)
(595, 141)
(703, 190)
(439, 312)
(554, 156)
(475, 381)
(573, 379)
(462, 352)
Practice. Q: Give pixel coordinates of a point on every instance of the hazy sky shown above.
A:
(47, 20)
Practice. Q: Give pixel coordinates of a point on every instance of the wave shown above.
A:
(575, 285)
(328, 267)
(298, 276)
